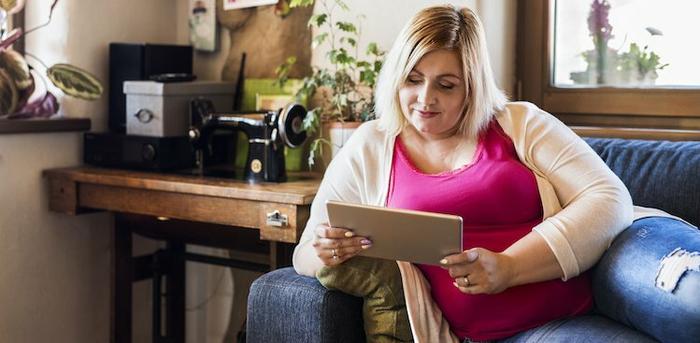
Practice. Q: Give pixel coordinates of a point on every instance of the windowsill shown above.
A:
(637, 133)
(8, 126)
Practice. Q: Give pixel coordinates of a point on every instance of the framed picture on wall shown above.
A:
(203, 25)
(236, 4)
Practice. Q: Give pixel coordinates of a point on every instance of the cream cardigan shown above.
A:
(585, 204)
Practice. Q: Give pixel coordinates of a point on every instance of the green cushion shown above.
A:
(378, 282)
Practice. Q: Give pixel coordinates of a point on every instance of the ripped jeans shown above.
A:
(631, 282)
(648, 280)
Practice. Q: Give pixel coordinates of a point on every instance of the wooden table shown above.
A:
(259, 222)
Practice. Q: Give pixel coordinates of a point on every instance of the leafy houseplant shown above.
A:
(641, 63)
(344, 92)
(17, 82)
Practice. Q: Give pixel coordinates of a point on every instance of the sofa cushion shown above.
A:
(659, 174)
(378, 282)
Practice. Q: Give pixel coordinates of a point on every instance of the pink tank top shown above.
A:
(498, 200)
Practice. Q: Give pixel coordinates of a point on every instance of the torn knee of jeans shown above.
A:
(674, 265)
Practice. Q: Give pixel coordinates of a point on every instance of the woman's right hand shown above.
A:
(335, 245)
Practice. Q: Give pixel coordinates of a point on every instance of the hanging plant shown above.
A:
(17, 81)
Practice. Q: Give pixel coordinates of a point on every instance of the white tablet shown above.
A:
(404, 235)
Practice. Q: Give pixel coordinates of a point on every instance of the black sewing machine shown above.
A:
(267, 133)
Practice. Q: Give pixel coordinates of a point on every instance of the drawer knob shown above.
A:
(275, 218)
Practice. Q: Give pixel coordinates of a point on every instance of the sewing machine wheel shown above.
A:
(290, 124)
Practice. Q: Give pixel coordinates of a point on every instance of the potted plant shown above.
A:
(640, 65)
(20, 98)
(341, 96)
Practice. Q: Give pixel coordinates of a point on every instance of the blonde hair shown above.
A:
(434, 28)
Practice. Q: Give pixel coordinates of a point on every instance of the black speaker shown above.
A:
(129, 62)
(137, 152)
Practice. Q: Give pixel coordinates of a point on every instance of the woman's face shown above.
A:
(432, 97)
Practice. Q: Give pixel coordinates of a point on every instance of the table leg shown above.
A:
(122, 278)
(175, 292)
(280, 255)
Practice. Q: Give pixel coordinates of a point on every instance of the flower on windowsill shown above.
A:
(601, 31)
(598, 22)
(607, 66)
(19, 98)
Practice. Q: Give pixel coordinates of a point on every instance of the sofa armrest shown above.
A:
(284, 306)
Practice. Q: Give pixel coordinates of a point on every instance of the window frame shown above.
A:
(17, 20)
(608, 107)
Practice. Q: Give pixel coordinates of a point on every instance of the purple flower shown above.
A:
(598, 23)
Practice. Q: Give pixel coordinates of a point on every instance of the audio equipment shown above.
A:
(129, 61)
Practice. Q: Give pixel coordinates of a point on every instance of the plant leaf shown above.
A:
(312, 121)
(26, 93)
(282, 71)
(340, 56)
(8, 94)
(16, 68)
(74, 81)
(312, 153)
(372, 49)
(301, 3)
(316, 148)
(41, 108)
(318, 40)
(318, 19)
(342, 5)
(350, 40)
(345, 26)
(367, 77)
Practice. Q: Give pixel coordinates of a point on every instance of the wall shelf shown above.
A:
(12, 126)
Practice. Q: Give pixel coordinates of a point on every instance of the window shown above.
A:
(611, 63)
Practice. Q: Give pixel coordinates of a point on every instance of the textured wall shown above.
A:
(267, 39)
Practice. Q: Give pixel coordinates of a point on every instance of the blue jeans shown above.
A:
(629, 306)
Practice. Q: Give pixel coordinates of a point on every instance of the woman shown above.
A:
(539, 206)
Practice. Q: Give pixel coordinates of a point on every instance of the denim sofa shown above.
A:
(286, 307)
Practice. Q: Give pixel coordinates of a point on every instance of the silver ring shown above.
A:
(335, 254)
(466, 279)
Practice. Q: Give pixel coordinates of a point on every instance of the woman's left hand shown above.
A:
(480, 271)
